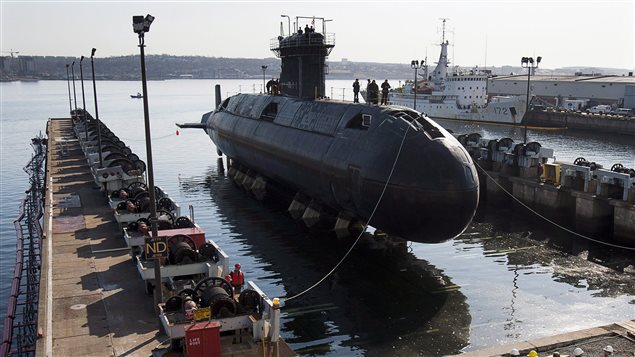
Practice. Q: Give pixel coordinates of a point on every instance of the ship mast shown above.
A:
(440, 71)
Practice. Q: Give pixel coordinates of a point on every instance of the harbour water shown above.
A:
(510, 277)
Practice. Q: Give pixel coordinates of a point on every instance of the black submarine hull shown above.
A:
(342, 154)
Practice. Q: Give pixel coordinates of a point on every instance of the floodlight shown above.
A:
(137, 24)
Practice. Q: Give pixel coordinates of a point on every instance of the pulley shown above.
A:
(249, 301)
(208, 251)
(166, 203)
(182, 249)
(136, 187)
(216, 293)
(518, 149)
(174, 303)
(189, 293)
(183, 222)
(531, 147)
(127, 166)
(504, 144)
(583, 162)
(473, 138)
(167, 217)
(624, 170)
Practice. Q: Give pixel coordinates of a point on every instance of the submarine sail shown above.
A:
(345, 157)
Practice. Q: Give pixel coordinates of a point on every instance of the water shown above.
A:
(502, 281)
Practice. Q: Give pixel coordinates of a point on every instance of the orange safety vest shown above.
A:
(238, 279)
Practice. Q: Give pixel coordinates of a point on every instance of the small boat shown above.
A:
(138, 95)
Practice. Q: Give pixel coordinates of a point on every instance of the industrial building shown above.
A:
(617, 91)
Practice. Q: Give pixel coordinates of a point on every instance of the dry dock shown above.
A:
(92, 300)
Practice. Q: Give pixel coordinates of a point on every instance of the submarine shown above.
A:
(387, 166)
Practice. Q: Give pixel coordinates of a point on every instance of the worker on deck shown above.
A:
(275, 90)
(608, 351)
(385, 87)
(373, 92)
(532, 353)
(514, 352)
(238, 278)
(270, 83)
(356, 91)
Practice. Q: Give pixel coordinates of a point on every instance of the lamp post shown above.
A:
(74, 93)
(81, 76)
(528, 62)
(92, 66)
(264, 68)
(140, 26)
(415, 64)
(68, 81)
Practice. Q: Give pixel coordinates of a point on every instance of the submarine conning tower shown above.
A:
(303, 54)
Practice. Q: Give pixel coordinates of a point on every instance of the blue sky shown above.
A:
(565, 33)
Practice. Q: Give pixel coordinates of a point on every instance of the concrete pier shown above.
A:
(592, 341)
(91, 301)
(592, 213)
(582, 121)
(624, 221)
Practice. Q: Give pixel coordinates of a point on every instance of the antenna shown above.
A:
(444, 19)
(485, 66)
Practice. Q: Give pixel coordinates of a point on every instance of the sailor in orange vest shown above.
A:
(238, 279)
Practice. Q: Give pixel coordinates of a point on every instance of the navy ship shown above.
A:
(388, 166)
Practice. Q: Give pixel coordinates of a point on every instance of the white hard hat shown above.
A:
(578, 351)
(514, 352)
(608, 348)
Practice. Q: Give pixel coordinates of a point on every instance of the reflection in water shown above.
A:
(379, 302)
(494, 284)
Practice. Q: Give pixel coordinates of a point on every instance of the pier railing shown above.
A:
(20, 330)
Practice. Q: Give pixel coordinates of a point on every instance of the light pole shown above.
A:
(74, 93)
(264, 68)
(140, 26)
(416, 65)
(81, 76)
(68, 81)
(528, 62)
(92, 66)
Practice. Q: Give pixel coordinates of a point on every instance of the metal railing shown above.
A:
(20, 324)
(308, 41)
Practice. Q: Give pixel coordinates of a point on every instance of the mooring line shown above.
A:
(392, 170)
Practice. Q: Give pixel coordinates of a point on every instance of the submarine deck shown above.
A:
(92, 301)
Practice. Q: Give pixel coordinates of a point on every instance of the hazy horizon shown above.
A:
(491, 33)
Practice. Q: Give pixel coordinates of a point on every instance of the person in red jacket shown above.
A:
(238, 278)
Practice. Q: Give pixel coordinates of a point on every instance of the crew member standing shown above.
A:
(270, 83)
(238, 279)
(356, 91)
(373, 92)
(384, 92)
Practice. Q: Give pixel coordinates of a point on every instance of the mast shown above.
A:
(441, 70)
